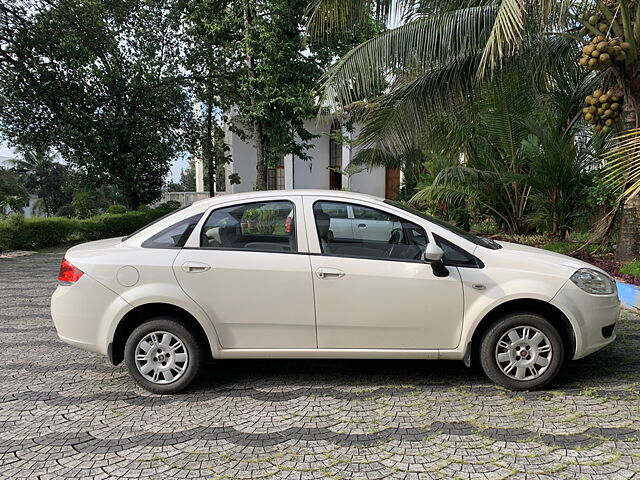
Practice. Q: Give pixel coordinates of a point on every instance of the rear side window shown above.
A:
(258, 226)
(174, 236)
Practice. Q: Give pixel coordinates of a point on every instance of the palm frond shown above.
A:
(506, 34)
(623, 163)
(334, 16)
(413, 49)
(412, 112)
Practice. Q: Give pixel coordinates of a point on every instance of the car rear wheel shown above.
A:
(163, 356)
(521, 351)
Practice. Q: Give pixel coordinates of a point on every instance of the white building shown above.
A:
(30, 206)
(327, 155)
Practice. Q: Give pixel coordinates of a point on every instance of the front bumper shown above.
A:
(83, 312)
(589, 315)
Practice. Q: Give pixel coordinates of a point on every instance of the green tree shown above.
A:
(10, 185)
(15, 203)
(44, 177)
(207, 49)
(445, 51)
(101, 83)
(251, 60)
(188, 177)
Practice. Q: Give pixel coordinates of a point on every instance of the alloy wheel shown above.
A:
(523, 353)
(161, 357)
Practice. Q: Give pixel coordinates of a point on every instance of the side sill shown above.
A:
(329, 353)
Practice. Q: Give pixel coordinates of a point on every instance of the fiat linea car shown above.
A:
(326, 274)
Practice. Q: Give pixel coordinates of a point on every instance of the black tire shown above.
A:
(489, 352)
(192, 347)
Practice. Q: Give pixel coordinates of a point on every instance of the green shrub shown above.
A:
(115, 225)
(461, 218)
(170, 205)
(485, 227)
(113, 209)
(17, 233)
(37, 232)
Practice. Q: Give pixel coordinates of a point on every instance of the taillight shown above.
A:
(69, 273)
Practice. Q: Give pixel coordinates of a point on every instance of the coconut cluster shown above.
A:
(595, 20)
(600, 53)
(602, 109)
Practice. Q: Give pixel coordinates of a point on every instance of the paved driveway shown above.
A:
(66, 413)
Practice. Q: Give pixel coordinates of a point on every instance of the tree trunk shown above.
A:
(257, 125)
(554, 199)
(131, 198)
(209, 149)
(628, 245)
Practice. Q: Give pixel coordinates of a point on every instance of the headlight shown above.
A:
(592, 281)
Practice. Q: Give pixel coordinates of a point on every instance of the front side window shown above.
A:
(483, 242)
(174, 236)
(370, 234)
(259, 226)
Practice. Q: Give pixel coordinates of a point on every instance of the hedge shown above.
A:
(17, 233)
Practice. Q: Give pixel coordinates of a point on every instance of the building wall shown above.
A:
(312, 173)
(243, 163)
(371, 181)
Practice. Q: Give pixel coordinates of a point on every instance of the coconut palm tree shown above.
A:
(15, 203)
(440, 57)
(43, 176)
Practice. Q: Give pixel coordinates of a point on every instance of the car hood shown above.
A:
(540, 259)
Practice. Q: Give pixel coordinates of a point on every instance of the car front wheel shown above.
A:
(521, 351)
(162, 356)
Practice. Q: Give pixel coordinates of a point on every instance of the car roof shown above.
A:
(279, 193)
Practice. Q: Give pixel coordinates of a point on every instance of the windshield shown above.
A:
(483, 242)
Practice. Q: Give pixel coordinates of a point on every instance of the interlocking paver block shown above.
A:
(65, 413)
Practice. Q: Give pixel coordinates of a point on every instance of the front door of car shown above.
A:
(374, 291)
(244, 268)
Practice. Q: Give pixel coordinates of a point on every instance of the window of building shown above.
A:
(275, 176)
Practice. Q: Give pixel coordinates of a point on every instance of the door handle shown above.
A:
(329, 273)
(362, 225)
(195, 267)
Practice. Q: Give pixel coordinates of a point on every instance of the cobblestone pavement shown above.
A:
(66, 413)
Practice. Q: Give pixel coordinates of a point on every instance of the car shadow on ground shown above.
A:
(615, 368)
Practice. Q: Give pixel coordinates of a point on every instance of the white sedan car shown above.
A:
(326, 274)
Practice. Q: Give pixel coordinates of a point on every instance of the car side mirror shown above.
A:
(433, 253)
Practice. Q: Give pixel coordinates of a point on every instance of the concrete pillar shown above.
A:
(346, 157)
(288, 172)
(199, 166)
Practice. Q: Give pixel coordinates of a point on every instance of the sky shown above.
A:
(4, 151)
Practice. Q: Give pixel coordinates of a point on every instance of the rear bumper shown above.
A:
(83, 312)
(588, 314)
